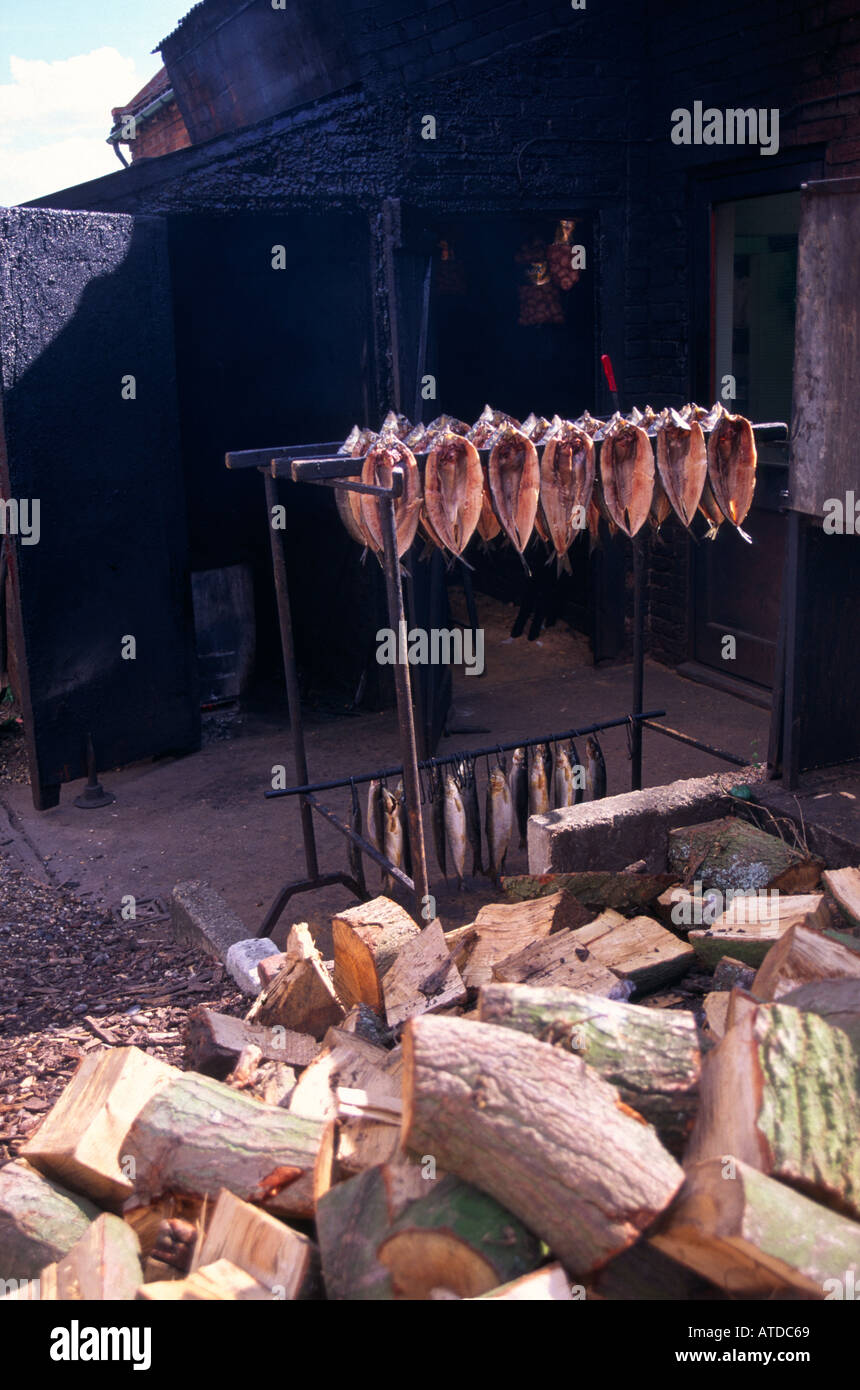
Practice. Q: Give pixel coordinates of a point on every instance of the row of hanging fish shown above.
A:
(450, 493)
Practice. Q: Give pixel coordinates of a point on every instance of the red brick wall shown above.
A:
(160, 134)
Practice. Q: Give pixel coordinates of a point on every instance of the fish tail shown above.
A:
(744, 535)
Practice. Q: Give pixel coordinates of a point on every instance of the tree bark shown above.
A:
(39, 1220)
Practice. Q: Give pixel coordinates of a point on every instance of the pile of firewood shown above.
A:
(583, 1093)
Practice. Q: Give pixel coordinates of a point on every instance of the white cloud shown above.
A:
(55, 118)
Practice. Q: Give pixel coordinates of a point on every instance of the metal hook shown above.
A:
(628, 729)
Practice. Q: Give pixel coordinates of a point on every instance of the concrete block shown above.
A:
(618, 830)
(244, 957)
(200, 917)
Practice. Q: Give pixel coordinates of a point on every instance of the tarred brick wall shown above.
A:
(161, 133)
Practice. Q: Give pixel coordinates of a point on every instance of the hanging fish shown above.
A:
(393, 834)
(514, 474)
(348, 504)
(534, 427)
(487, 424)
(562, 779)
(356, 861)
(519, 785)
(437, 816)
(453, 490)
(577, 773)
(469, 794)
(682, 462)
(660, 505)
(566, 484)
(386, 454)
(627, 474)
(488, 523)
(455, 827)
(375, 816)
(595, 770)
(400, 798)
(499, 821)
(732, 467)
(538, 784)
(395, 424)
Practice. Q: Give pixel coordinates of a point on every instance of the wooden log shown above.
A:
(302, 996)
(282, 1259)
(80, 1141)
(754, 1237)
(366, 940)
(843, 885)
(716, 1008)
(730, 972)
(836, 1001)
(349, 1062)
(751, 925)
(630, 893)
(549, 1284)
(172, 1210)
(455, 1238)
(214, 1042)
(502, 929)
(352, 1219)
(652, 1057)
(781, 1092)
(39, 1220)
(196, 1135)
(729, 854)
(641, 952)
(422, 978)
(644, 1273)
(538, 1130)
(104, 1264)
(799, 957)
(674, 908)
(561, 961)
(221, 1281)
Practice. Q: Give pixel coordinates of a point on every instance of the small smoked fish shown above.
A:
(356, 862)
(682, 462)
(393, 835)
(514, 474)
(396, 424)
(488, 523)
(732, 467)
(534, 427)
(595, 770)
(538, 784)
(453, 490)
(455, 827)
(566, 484)
(375, 816)
(562, 778)
(499, 821)
(356, 445)
(627, 474)
(577, 773)
(469, 794)
(387, 453)
(437, 816)
(519, 785)
(487, 424)
(660, 505)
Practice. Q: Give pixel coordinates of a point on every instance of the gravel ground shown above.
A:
(72, 980)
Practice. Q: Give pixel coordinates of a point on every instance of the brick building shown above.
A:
(306, 129)
(151, 123)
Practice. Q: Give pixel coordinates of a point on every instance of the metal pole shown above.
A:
(638, 661)
(405, 718)
(285, 622)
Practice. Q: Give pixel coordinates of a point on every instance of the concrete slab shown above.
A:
(200, 917)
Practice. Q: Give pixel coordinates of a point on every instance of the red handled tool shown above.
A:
(606, 364)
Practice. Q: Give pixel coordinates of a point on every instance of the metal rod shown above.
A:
(285, 623)
(638, 660)
(387, 772)
(403, 692)
(261, 458)
(304, 885)
(696, 743)
(364, 845)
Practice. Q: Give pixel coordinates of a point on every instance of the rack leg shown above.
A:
(638, 660)
(285, 622)
(405, 717)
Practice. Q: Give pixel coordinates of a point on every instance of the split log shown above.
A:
(349, 1062)
(502, 929)
(729, 854)
(799, 957)
(781, 1092)
(751, 925)
(196, 1135)
(366, 940)
(103, 1265)
(836, 1001)
(80, 1141)
(730, 972)
(421, 978)
(843, 885)
(215, 1041)
(538, 1130)
(39, 1220)
(716, 1007)
(549, 1284)
(644, 1273)
(653, 1058)
(302, 996)
(630, 893)
(559, 960)
(219, 1282)
(674, 908)
(352, 1218)
(366, 1024)
(282, 1259)
(755, 1238)
(641, 952)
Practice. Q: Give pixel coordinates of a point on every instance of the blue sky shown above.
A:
(63, 65)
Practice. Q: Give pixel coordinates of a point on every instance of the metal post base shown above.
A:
(94, 795)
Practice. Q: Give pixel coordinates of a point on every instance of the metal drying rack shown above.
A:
(320, 464)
